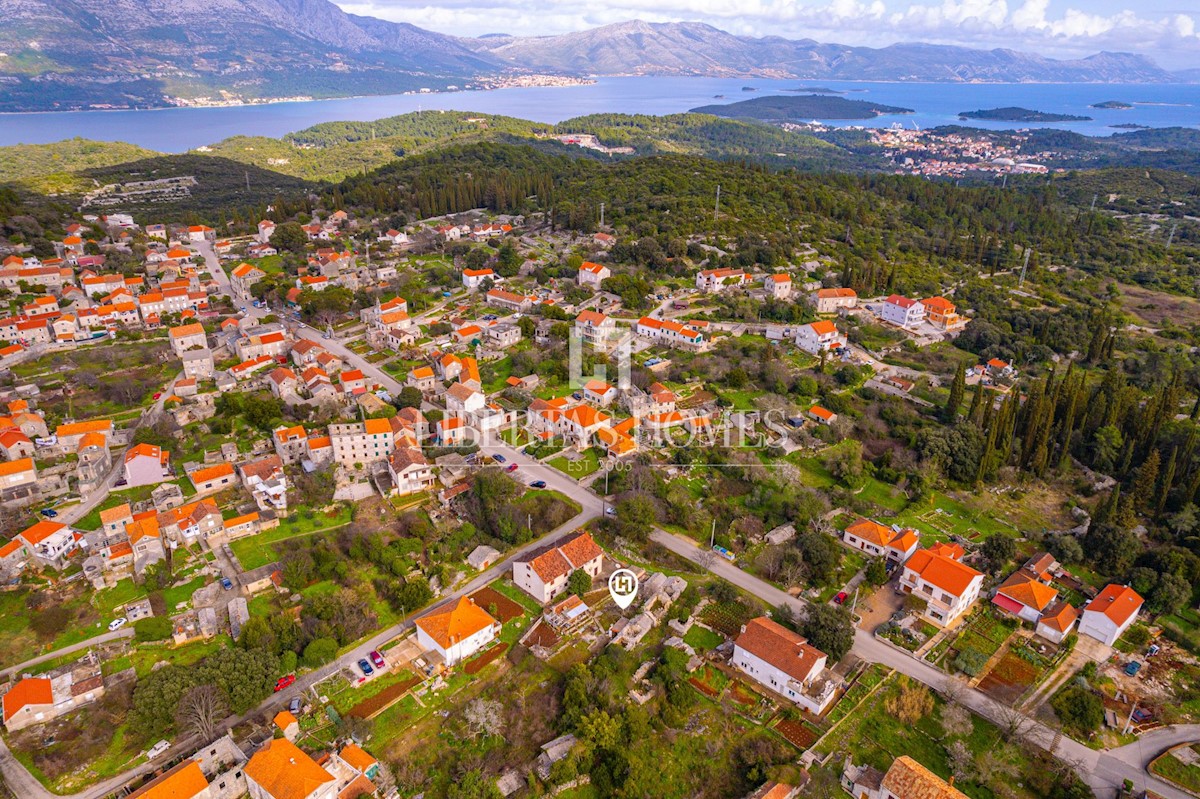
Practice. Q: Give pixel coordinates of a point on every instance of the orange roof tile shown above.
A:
(16, 467)
(910, 779)
(211, 473)
(377, 426)
(943, 572)
(283, 719)
(116, 514)
(1117, 602)
(456, 624)
(1023, 587)
(780, 647)
(41, 531)
(285, 771)
(29, 691)
(823, 327)
(354, 755)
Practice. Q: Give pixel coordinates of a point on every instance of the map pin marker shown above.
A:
(623, 585)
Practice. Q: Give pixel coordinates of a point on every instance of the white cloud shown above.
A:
(1169, 37)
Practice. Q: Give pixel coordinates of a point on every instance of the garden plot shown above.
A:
(1009, 679)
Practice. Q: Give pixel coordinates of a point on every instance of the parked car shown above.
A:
(538, 484)
(365, 667)
(284, 682)
(294, 705)
(226, 583)
(1132, 667)
(157, 394)
(157, 749)
(117, 623)
(49, 513)
(512, 467)
(840, 598)
(378, 660)
(499, 458)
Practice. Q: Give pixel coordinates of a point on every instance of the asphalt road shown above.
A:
(1103, 771)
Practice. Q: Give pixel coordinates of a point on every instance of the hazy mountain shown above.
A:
(68, 52)
(60, 54)
(689, 48)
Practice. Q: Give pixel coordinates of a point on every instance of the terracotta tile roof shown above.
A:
(591, 318)
(823, 327)
(284, 771)
(16, 467)
(821, 413)
(41, 531)
(116, 514)
(211, 473)
(938, 304)
(149, 451)
(195, 329)
(29, 691)
(594, 268)
(143, 528)
(1117, 602)
(290, 433)
(879, 534)
(952, 551)
(456, 624)
(184, 781)
(359, 786)
(585, 416)
(79, 428)
(92, 440)
(903, 302)
(942, 572)
(354, 755)
(121, 550)
(911, 780)
(237, 521)
(1024, 587)
(779, 646)
(377, 426)
(781, 278)
(404, 457)
(284, 719)
(1059, 616)
(562, 556)
(421, 372)
(11, 547)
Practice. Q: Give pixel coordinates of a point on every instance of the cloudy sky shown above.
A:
(1167, 30)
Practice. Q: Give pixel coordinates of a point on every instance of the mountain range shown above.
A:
(68, 54)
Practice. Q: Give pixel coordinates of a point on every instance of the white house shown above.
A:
(711, 281)
(1111, 613)
(779, 286)
(457, 633)
(902, 311)
(896, 545)
(784, 662)
(595, 328)
(948, 587)
(409, 470)
(818, 336)
(593, 275)
(472, 278)
(832, 300)
(543, 572)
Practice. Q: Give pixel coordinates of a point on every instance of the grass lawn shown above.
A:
(1171, 768)
(940, 516)
(589, 463)
(703, 639)
(259, 550)
(872, 735)
(884, 495)
(743, 400)
(515, 436)
(91, 521)
(497, 373)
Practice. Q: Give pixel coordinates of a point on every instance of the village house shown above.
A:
(826, 301)
(712, 281)
(902, 311)
(290, 443)
(822, 416)
(69, 435)
(17, 473)
(592, 274)
(543, 572)
(243, 277)
(147, 464)
(37, 700)
(819, 336)
(948, 587)
(595, 328)
(904, 779)
(409, 470)
(50, 543)
(669, 332)
(362, 442)
(188, 523)
(779, 287)
(940, 312)
(1111, 613)
(599, 393)
(187, 337)
(896, 545)
(509, 300)
(266, 481)
(457, 633)
(502, 335)
(213, 478)
(779, 659)
(473, 278)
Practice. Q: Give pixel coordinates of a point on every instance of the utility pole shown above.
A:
(1095, 197)
(712, 540)
(247, 174)
(1171, 238)
(601, 215)
(1024, 266)
(717, 206)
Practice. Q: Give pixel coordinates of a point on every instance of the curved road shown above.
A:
(1104, 772)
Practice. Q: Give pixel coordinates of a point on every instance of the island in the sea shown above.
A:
(1111, 105)
(1130, 126)
(1015, 114)
(815, 90)
(776, 108)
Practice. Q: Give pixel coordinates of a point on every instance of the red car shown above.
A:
(284, 682)
(512, 468)
(157, 394)
(378, 660)
(840, 598)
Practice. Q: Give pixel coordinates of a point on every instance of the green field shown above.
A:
(259, 549)
(578, 469)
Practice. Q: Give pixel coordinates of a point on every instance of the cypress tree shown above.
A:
(1143, 484)
(957, 388)
(1168, 478)
(976, 412)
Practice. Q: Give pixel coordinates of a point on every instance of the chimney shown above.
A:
(951, 782)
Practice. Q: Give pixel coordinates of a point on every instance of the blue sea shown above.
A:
(180, 129)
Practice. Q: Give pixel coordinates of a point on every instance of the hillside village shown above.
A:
(373, 477)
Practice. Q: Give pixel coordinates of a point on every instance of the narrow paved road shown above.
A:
(124, 632)
(1103, 771)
